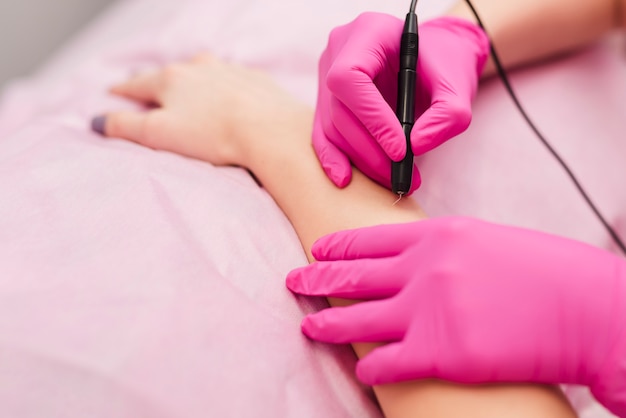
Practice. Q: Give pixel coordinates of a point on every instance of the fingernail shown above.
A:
(98, 124)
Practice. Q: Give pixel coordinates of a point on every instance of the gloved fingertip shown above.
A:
(395, 151)
(334, 162)
(393, 141)
(318, 249)
(416, 182)
(310, 328)
(420, 143)
(340, 176)
(365, 373)
(294, 282)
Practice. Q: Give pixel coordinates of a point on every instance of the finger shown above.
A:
(394, 362)
(444, 119)
(363, 322)
(364, 151)
(144, 128)
(144, 87)
(355, 279)
(350, 79)
(358, 92)
(335, 164)
(371, 242)
(416, 182)
(127, 125)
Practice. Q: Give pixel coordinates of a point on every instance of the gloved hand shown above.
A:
(355, 117)
(470, 301)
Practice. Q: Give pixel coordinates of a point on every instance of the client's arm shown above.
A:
(224, 114)
(525, 31)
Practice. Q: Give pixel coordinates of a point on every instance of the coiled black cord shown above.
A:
(507, 84)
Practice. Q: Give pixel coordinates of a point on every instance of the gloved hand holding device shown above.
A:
(355, 120)
(470, 301)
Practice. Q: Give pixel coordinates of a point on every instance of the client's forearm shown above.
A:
(290, 172)
(292, 175)
(530, 30)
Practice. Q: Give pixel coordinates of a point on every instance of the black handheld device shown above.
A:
(402, 171)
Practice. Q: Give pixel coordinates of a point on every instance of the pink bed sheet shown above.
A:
(136, 283)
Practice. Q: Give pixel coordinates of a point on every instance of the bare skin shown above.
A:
(195, 119)
(525, 32)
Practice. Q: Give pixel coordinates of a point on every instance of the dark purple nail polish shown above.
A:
(98, 123)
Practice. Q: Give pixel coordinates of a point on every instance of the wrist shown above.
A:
(276, 140)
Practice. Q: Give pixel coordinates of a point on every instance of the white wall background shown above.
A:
(31, 30)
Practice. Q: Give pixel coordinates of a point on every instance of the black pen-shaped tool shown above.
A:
(402, 171)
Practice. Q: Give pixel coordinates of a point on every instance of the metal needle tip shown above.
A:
(400, 194)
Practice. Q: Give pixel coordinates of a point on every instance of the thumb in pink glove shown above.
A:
(355, 120)
(470, 301)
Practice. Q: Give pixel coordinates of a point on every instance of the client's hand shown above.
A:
(470, 301)
(205, 108)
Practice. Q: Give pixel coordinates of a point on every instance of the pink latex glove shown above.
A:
(470, 301)
(355, 117)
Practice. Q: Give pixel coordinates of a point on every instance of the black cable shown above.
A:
(507, 84)
(413, 5)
